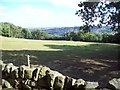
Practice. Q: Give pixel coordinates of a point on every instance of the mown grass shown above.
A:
(87, 60)
(63, 50)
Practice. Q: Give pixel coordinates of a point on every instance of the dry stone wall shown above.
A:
(43, 78)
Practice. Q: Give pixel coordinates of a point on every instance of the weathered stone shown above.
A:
(68, 83)
(91, 85)
(14, 74)
(115, 82)
(21, 71)
(50, 78)
(79, 84)
(13, 82)
(73, 81)
(43, 78)
(12, 68)
(7, 84)
(6, 71)
(32, 83)
(10, 64)
(35, 74)
(3, 66)
(42, 82)
(51, 75)
(7, 68)
(3, 82)
(28, 73)
(43, 71)
(59, 83)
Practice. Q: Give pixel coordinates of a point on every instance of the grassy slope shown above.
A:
(24, 44)
(60, 50)
(71, 58)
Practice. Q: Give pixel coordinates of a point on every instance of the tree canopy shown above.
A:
(107, 12)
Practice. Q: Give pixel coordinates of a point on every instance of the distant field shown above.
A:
(76, 59)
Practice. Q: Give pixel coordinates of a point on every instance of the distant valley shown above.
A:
(61, 30)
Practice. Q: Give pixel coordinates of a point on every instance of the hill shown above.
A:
(62, 30)
(10, 30)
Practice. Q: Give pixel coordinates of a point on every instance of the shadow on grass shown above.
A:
(94, 62)
(91, 51)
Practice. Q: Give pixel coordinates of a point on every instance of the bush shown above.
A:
(92, 37)
(83, 36)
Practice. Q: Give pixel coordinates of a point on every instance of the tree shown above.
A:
(38, 34)
(71, 35)
(9, 30)
(26, 33)
(105, 11)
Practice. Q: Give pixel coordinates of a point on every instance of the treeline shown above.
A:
(10, 30)
(82, 35)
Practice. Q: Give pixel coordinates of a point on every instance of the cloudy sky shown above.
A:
(40, 13)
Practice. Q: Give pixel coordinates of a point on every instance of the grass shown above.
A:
(86, 60)
(65, 50)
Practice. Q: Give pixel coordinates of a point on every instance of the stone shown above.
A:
(51, 75)
(13, 68)
(68, 83)
(115, 82)
(10, 64)
(59, 83)
(50, 79)
(8, 67)
(79, 84)
(42, 82)
(7, 84)
(6, 71)
(35, 74)
(3, 66)
(32, 83)
(3, 82)
(28, 73)
(43, 71)
(14, 74)
(21, 71)
(73, 81)
(13, 82)
(91, 85)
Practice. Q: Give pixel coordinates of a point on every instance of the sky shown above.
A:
(40, 13)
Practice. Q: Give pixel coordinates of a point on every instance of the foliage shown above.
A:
(107, 13)
(54, 37)
(38, 34)
(9, 30)
(26, 33)
(111, 38)
(72, 35)
(82, 36)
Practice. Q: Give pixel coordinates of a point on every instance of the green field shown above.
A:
(76, 59)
